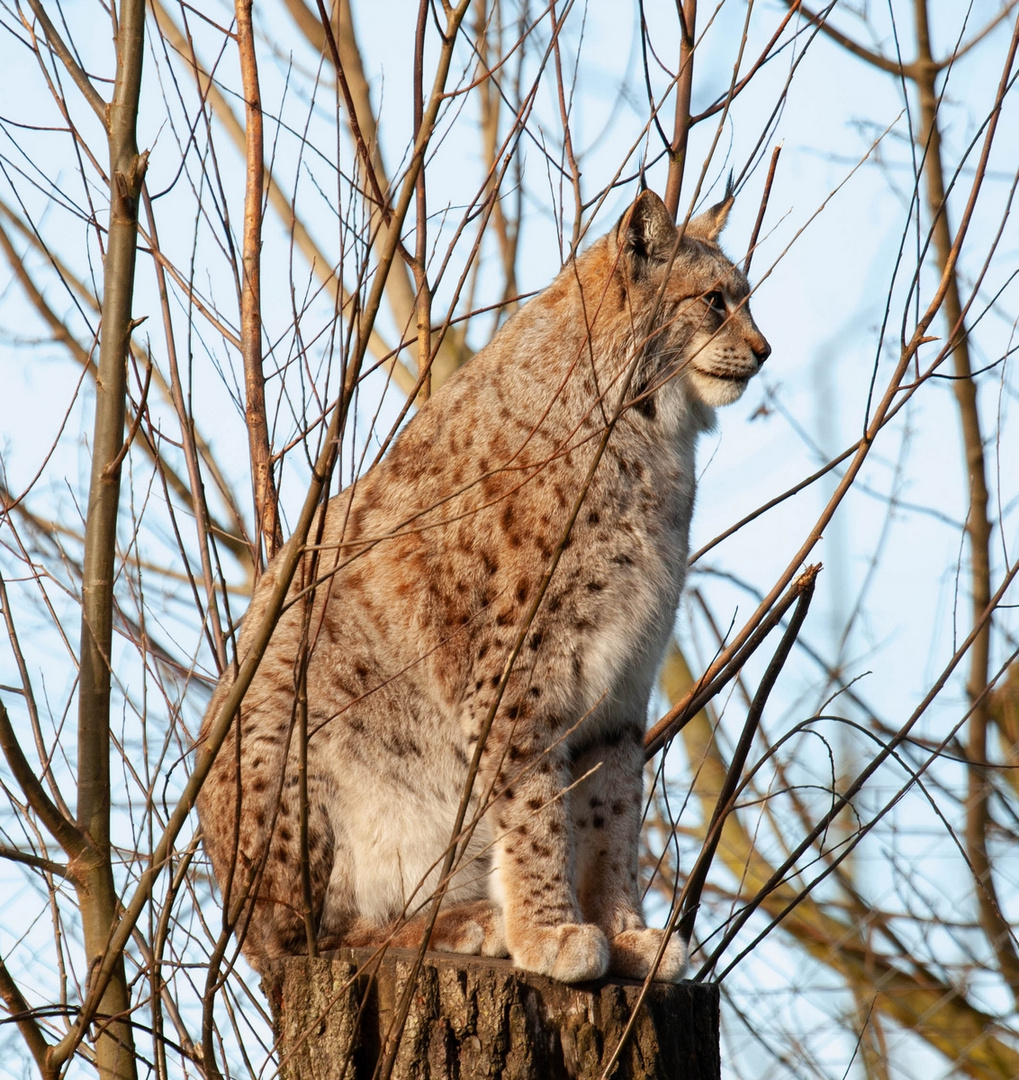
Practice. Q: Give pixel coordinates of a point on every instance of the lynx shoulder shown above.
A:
(501, 587)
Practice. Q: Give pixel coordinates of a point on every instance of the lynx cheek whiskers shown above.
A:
(427, 571)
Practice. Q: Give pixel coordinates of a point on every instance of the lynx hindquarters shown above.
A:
(402, 620)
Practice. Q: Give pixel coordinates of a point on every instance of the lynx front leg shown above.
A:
(533, 867)
(606, 811)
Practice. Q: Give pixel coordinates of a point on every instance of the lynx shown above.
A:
(501, 586)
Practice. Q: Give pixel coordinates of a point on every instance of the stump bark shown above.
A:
(473, 1017)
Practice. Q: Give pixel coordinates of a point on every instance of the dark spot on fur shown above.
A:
(618, 808)
(535, 639)
(595, 586)
(594, 802)
(521, 591)
(535, 803)
(509, 793)
(622, 560)
(535, 691)
(598, 821)
(582, 823)
(515, 753)
(593, 517)
(647, 407)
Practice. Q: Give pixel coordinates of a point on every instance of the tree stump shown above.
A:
(474, 1017)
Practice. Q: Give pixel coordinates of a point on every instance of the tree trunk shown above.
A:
(474, 1017)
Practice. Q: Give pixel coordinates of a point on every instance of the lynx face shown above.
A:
(559, 465)
(727, 349)
(707, 331)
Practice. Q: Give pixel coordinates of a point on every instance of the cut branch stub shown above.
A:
(477, 1017)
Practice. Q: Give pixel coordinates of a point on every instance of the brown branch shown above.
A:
(687, 11)
(267, 524)
(690, 897)
(60, 49)
(727, 665)
(893, 67)
(423, 305)
(978, 525)
(60, 828)
(97, 894)
(980, 34)
(368, 156)
(21, 1013)
(573, 169)
(189, 443)
(762, 210)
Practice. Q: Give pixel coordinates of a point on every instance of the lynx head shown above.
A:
(702, 336)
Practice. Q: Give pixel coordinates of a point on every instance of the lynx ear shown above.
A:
(646, 230)
(709, 224)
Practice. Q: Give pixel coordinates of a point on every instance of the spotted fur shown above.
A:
(566, 445)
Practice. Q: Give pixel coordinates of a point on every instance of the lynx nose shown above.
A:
(761, 349)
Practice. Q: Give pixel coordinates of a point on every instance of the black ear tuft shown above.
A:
(646, 230)
(709, 224)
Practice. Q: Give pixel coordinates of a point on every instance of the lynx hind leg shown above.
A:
(259, 873)
(633, 954)
(473, 928)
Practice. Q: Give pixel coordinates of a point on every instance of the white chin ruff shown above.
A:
(713, 391)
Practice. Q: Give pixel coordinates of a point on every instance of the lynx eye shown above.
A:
(716, 301)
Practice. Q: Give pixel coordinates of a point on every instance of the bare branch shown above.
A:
(264, 487)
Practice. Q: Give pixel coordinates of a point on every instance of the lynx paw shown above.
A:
(474, 929)
(633, 955)
(572, 952)
(477, 931)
